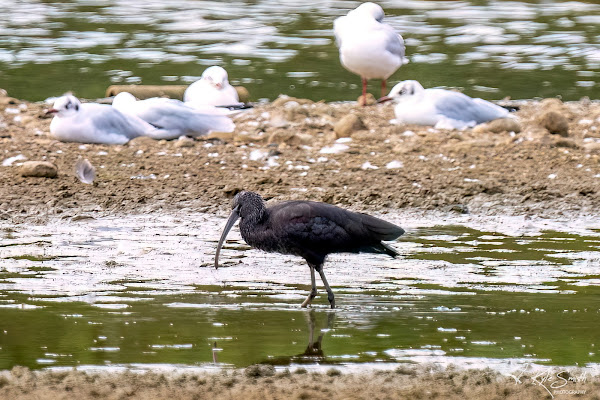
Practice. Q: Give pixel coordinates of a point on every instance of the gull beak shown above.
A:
(51, 111)
(384, 99)
(232, 218)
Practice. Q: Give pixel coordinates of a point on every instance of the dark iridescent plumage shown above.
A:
(310, 230)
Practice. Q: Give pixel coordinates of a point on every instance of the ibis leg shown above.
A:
(313, 290)
(330, 296)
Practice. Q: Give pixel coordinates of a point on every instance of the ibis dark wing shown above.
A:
(313, 230)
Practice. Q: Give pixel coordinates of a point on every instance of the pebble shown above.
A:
(40, 169)
(184, 141)
(498, 126)
(291, 138)
(141, 141)
(371, 100)
(593, 147)
(564, 142)
(555, 123)
(278, 119)
(348, 124)
(243, 93)
(283, 99)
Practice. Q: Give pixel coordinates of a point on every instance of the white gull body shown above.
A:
(174, 118)
(212, 89)
(368, 47)
(441, 108)
(95, 123)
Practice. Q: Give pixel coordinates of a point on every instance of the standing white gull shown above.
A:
(368, 47)
(441, 108)
(212, 89)
(95, 123)
(173, 117)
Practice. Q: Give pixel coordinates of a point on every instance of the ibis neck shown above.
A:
(250, 222)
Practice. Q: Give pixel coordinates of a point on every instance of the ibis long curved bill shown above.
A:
(232, 218)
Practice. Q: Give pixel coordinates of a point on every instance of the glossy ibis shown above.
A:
(308, 229)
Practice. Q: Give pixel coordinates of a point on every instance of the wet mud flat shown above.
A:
(263, 382)
(117, 296)
(299, 149)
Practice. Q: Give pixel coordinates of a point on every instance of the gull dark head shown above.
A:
(402, 91)
(247, 206)
(65, 106)
(216, 76)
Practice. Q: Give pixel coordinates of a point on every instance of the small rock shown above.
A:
(348, 124)
(592, 147)
(141, 141)
(555, 123)
(588, 134)
(40, 169)
(371, 100)
(257, 370)
(184, 141)
(405, 148)
(241, 137)
(291, 138)
(243, 93)
(551, 103)
(3, 93)
(498, 126)
(283, 99)
(231, 190)
(6, 100)
(569, 143)
(459, 208)
(278, 119)
(365, 135)
(224, 136)
(81, 217)
(305, 138)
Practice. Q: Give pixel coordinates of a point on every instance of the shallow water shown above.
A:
(141, 290)
(493, 49)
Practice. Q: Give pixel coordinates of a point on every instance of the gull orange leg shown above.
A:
(383, 90)
(364, 92)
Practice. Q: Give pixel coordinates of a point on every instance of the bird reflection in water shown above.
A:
(314, 350)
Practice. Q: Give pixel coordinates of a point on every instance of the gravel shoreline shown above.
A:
(290, 149)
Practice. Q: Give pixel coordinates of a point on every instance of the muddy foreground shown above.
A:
(288, 150)
(262, 382)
